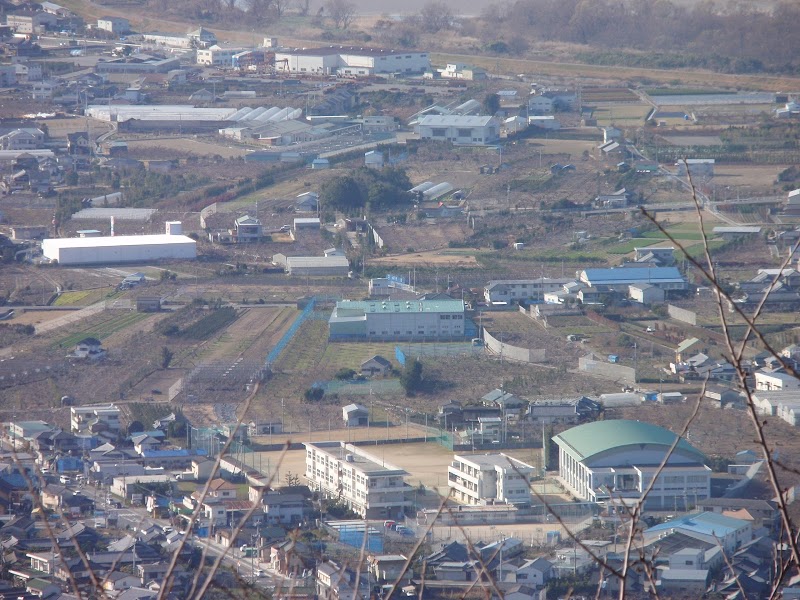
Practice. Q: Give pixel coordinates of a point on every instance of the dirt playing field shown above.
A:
(452, 258)
(36, 317)
(426, 463)
(745, 178)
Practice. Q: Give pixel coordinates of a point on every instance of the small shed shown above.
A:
(306, 223)
(148, 304)
(373, 159)
(320, 164)
(376, 366)
(355, 415)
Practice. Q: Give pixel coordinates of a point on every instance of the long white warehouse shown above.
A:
(118, 249)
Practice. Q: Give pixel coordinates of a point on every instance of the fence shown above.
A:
(435, 349)
(306, 314)
(607, 370)
(515, 353)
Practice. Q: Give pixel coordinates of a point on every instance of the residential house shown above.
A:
(355, 415)
(290, 558)
(85, 419)
(507, 402)
(28, 138)
(90, 348)
(377, 366)
(144, 442)
(563, 410)
(285, 507)
(534, 572)
(520, 592)
(306, 202)
(335, 582)
(78, 143)
(388, 568)
(248, 229)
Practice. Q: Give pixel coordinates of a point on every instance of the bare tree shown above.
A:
(342, 12)
(435, 16)
(304, 6)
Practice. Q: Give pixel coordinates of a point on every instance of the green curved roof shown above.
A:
(595, 438)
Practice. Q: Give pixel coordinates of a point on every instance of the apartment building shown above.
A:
(489, 479)
(368, 485)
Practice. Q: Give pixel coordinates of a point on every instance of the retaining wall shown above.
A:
(607, 370)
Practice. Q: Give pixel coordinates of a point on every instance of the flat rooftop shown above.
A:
(492, 460)
(363, 460)
(411, 306)
(118, 240)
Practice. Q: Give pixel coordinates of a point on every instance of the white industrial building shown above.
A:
(118, 249)
(217, 56)
(459, 129)
(617, 460)
(351, 60)
(369, 486)
(317, 266)
(514, 290)
(397, 320)
(115, 25)
(489, 479)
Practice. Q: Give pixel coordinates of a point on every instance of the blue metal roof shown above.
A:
(641, 274)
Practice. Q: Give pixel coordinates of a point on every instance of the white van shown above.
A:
(64, 479)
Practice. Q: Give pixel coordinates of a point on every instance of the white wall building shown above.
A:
(115, 25)
(217, 56)
(368, 485)
(351, 60)
(468, 130)
(118, 249)
(508, 290)
(775, 382)
(617, 459)
(489, 479)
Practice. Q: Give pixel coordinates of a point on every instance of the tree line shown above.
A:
(739, 37)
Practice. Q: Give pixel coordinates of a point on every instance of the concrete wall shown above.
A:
(515, 353)
(607, 370)
(681, 314)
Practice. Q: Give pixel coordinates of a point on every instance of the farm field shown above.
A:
(109, 323)
(748, 179)
(627, 115)
(252, 334)
(692, 140)
(573, 148)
